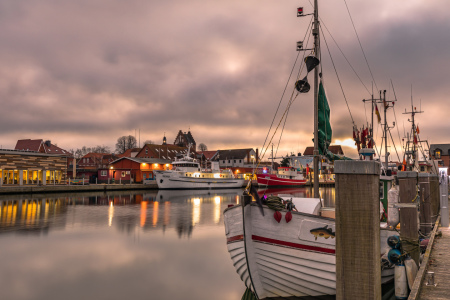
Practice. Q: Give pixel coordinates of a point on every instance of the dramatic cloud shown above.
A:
(84, 73)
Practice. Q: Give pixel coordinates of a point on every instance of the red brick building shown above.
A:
(89, 165)
(132, 170)
(184, 139)
(441, 153)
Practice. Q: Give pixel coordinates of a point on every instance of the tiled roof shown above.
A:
(231, 154)
(40, 146)
(128, 152)
(335, 149)
(445, 148)
(208, 154)
(161, 151)
(28, 144)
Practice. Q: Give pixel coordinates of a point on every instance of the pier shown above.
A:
(436, 264)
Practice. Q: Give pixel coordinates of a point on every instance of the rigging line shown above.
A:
(342, 52)
(392, 139)
(395, 116)
(287, 83)
(339, 80)
(351, 19)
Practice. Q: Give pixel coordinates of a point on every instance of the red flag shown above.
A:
(415, 138)
(417, 129)
(377, 113)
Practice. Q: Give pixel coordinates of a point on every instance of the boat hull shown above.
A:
(284, 259)
(172, 180)
(271, 180)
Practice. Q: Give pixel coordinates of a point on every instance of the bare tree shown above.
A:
(202, 147)
(124, 143)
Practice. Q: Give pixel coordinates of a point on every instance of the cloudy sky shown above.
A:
(83, 73)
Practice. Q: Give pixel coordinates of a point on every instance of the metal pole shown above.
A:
(385, 133)
(316, 102)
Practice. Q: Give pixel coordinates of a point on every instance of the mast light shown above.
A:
(299, 46)
(300, 12)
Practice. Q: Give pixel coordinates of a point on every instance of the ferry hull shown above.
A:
(271, 180)
(175, 181)
(284, 259)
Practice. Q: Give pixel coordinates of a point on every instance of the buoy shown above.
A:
(393, 213)
(401, 285)
(394, 242)
(411, 271)
(394, 256)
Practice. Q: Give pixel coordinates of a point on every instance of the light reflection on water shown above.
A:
(153, 245)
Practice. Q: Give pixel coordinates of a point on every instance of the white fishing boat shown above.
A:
(186, 173)
(288, 259)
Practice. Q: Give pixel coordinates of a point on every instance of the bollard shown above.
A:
(409, 235)
(425, 213)
(430, 279)
(358, 266)
(443, 184)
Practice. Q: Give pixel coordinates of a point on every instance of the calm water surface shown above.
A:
(122, 245)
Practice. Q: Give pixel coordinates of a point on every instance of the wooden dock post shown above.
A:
(409, 226)
(425, 215)
(435, 197)
(358, 266)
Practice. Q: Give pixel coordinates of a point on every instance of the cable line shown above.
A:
(353, 24)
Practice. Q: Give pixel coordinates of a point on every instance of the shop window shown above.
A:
(123, 173)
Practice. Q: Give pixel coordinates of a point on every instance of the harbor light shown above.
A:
(112, 168)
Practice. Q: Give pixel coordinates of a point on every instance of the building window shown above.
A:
(229, 161)
(146, 151)
(234, 161)
(223, 161)
(437, 154)
(240, 160)
(123, 173)
(104, 173)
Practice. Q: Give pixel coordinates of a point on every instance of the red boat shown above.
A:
(286, 177)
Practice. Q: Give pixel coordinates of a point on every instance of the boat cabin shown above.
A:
(288, 172)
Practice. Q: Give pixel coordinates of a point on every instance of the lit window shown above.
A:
(437, 154)
(104, 173)
(123, 174)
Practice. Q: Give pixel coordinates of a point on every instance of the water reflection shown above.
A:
(117, 245)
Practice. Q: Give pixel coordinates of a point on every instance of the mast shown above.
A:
(316, 102)
(386, 154)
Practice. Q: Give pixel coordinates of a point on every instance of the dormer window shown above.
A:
(437, 154)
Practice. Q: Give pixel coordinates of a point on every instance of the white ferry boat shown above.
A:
(187, 174)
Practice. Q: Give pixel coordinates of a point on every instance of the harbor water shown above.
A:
(120, 245)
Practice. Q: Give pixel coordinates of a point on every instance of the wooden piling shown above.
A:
(426, 222)
(358, 269)
(435, 198)
(409, 226)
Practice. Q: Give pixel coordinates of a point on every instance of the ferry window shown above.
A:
(422, 168)
(234, 161)
(437, 154)
(229, 161)
(240, 160)
(381, 190)
(223, 161)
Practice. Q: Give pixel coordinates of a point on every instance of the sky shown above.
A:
(84, 73)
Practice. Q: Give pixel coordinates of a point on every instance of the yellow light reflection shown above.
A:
(196, 212)
(143, 212)
(111, 213)
(217, 210)
(155, 213)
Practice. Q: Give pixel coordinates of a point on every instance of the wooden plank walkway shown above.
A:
(439, 263)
